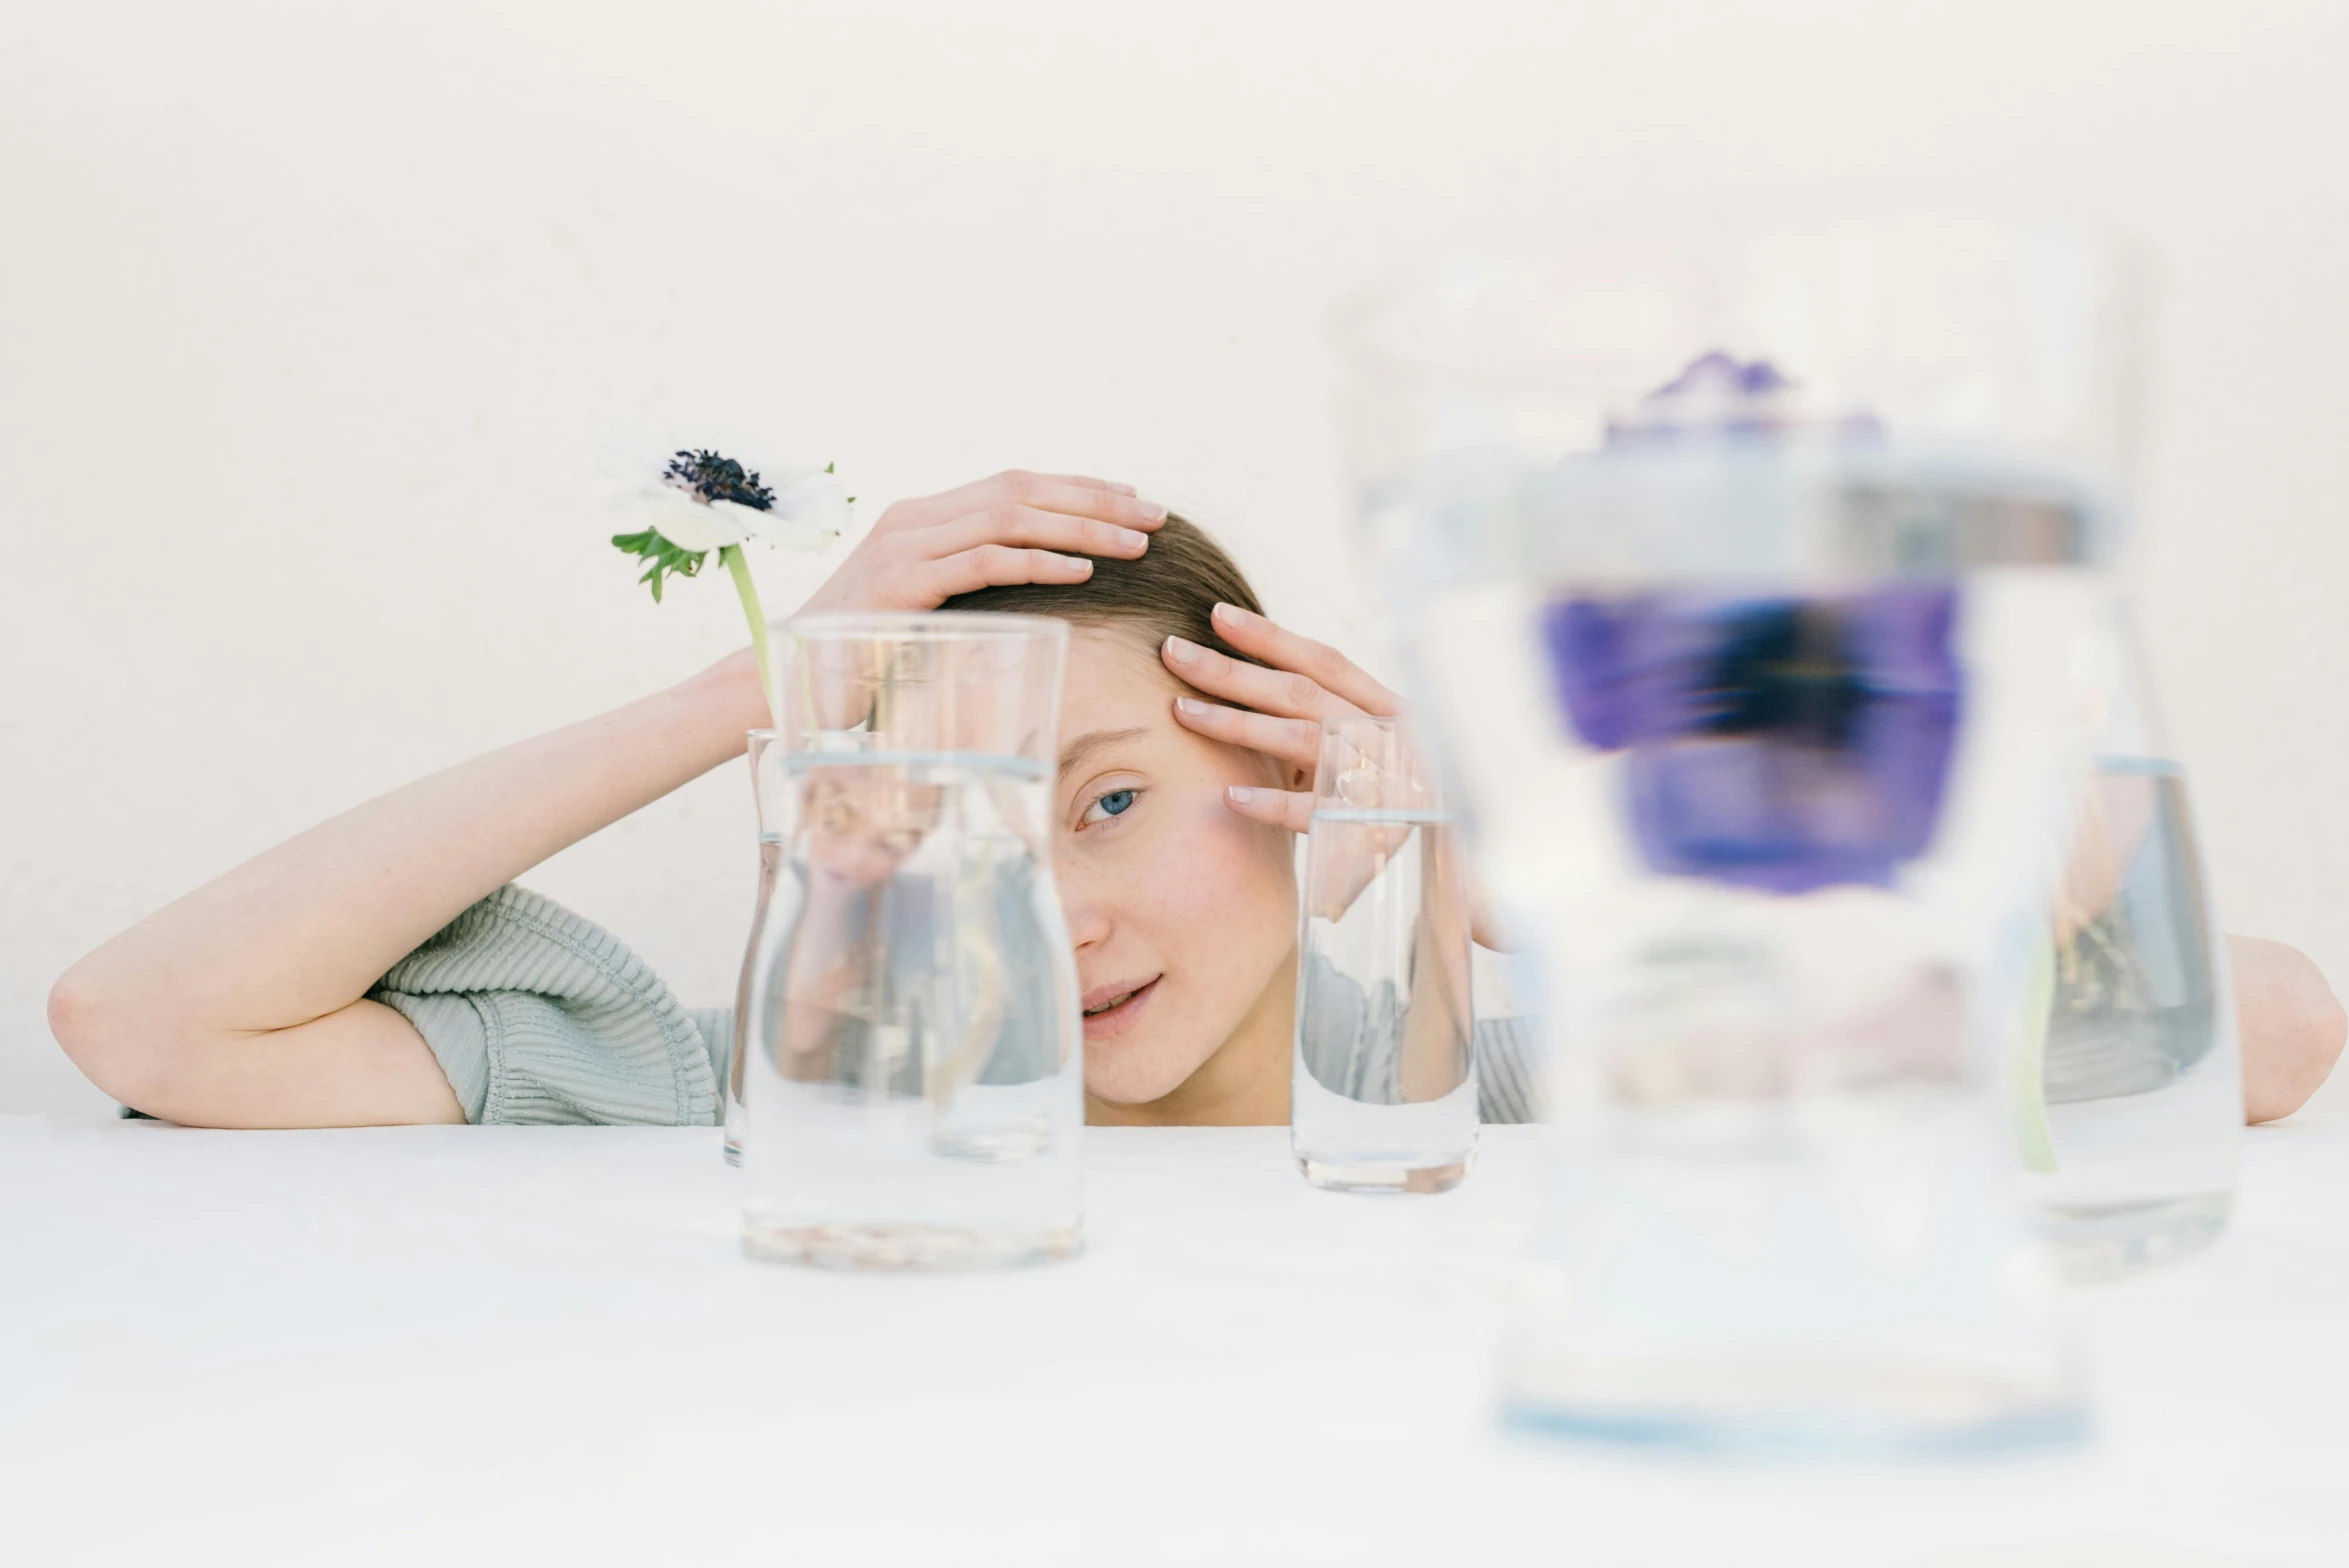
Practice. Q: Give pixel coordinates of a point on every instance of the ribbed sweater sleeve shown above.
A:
(1506, 1050)
(541, 1017)
(1508, 1070)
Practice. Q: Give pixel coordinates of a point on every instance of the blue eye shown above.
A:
(1114, 804)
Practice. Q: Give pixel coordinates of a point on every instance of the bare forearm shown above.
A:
(307, 927)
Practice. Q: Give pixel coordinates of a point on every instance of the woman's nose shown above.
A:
(1088, 921)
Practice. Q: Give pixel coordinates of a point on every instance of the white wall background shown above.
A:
(310, 317)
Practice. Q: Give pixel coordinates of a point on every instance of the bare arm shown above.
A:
(2291, 1026)
(242, 1005)
(238, 1005)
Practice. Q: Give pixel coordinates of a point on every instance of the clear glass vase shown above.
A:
(2132, 1142)
(1752, 592)
(913, 1080)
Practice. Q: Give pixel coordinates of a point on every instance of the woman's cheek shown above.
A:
(1236, 873)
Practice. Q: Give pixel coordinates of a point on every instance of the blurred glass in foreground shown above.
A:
(914, 1091)
(1383, 1092)
(1754, 592)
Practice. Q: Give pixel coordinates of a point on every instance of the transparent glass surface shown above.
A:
(1383, 1091)
(2132, 1144)
(768, 784)
(1752, 595)
(913, 1090)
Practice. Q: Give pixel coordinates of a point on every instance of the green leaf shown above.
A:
(667, 560)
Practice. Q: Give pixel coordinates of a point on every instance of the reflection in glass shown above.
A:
(914, 1084)
(2133, 1142)
(1383, 1095)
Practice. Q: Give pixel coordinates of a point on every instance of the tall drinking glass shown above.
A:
(914, 1085)
(1383, 1089)
(1753, 592)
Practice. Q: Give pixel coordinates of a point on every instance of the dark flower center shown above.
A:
(706, 477)
(1783, 670)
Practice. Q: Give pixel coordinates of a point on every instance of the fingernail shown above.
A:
(1180, 651)
(1190, 705)
(1231, 614)
(1082, 563)
(1241, 794)
(1133, 539)
(1151, 510)
(1123, 489)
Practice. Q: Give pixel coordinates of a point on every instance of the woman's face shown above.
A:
(1183, 913)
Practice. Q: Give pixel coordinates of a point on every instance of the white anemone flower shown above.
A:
(703, 501)
(808, 511)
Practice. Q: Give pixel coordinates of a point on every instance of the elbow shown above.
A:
(98, 1035)
(2292, 1027)
(2306, 1046)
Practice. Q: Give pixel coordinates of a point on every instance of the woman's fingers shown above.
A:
(1074, 494)
(996, 566)
(1090, 483)
(1283, 693)
(1263, 638)
(1283, 808)
(1032, 528)
(1295, 741)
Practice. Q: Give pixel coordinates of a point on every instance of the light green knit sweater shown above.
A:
(541, 1017)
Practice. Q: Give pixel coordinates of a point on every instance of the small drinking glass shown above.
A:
(1383, 1086)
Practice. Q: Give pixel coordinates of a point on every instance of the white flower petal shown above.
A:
(689, 525)
(783, 476)
(817, 501)
(811, 509)
(772, 528)
(787, 533)
(743, 522)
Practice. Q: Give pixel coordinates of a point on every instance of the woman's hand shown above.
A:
(1282, 716)
(1014, 528)
(1279, 713)
(1011, 528)
(1280, 709)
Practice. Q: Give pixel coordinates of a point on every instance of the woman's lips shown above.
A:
(1117, 1020)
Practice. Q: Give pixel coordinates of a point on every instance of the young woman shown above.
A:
(379, 969)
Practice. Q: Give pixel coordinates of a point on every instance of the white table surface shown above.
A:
(480, 1344)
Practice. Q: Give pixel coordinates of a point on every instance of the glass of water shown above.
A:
(913, 1091)
(1383, 1088)
(2131, 1144)
(1752, 593)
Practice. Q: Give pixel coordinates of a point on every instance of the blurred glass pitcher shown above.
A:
(1754, 592)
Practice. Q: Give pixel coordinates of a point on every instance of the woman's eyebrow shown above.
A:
(1092, 741)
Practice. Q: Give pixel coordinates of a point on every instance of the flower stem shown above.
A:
(748, 591)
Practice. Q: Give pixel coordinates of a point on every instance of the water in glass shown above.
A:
(1749, 590)
(914, 1090)
(1383, 1095)
(2134, 1164)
